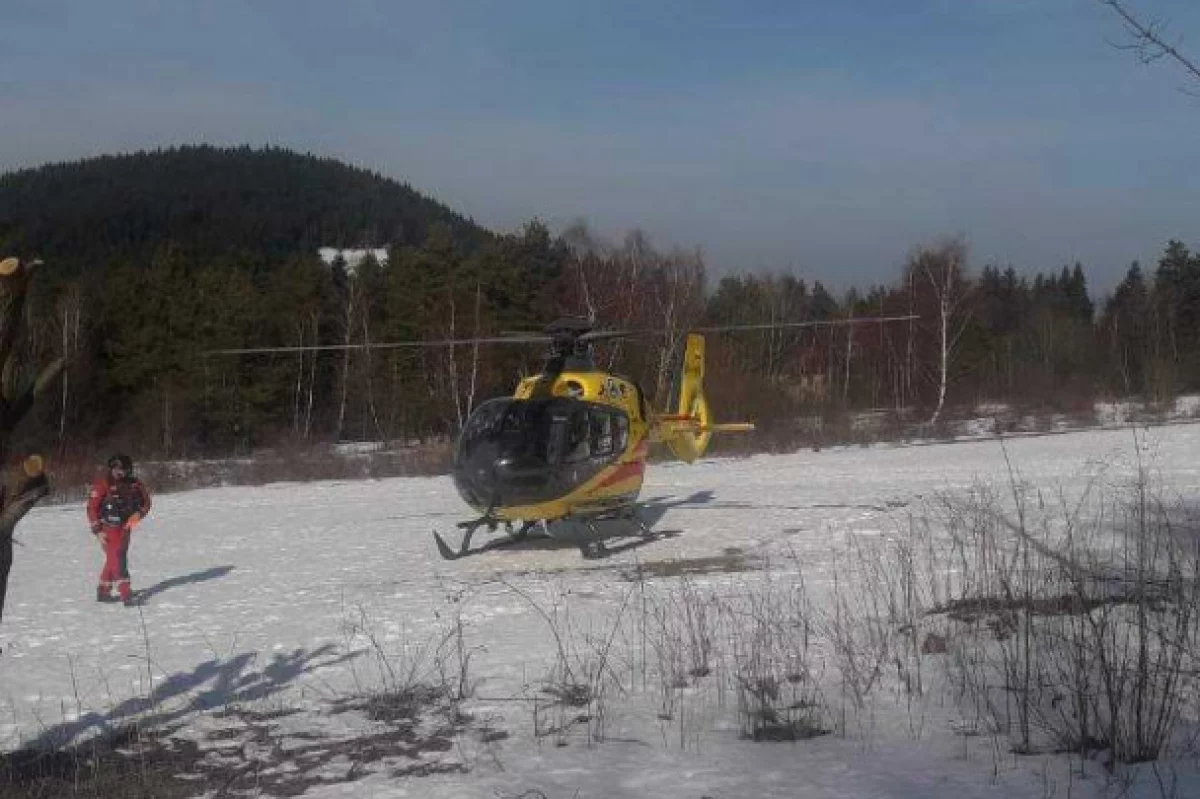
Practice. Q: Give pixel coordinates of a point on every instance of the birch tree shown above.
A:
(940, 294)
(679, 295)
(464, 406)
(70, 316)
(351, 300)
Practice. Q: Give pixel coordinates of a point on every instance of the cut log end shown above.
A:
(9, 267)
(34, 465)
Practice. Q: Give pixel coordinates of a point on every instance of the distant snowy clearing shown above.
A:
(274, 612)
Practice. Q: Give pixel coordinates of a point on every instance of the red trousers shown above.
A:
(116, 561)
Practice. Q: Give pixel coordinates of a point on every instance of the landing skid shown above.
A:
(469, 529)
(588, 530)
(591, 531)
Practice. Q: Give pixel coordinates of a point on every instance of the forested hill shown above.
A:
(212, 201)
(152, 260)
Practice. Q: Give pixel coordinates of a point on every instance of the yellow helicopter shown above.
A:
(567, 451)
(570, 445)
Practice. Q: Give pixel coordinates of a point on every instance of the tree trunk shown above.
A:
(299, 388)
(70, 309)
(62, 413)
(849, 351)
(17, 398)
(349, 322)
(166, 419)
(33, 486)
(908, 351)
(312, 380)
(370, 368)
(452, 366)
(475, 351)
(944, 324)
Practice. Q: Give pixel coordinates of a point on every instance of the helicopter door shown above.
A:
(556, 438)
(620, 432)
(601, 433)
(567, 439)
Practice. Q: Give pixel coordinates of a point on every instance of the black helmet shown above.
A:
(124, 461)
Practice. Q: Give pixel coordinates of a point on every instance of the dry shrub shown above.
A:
(129, 763)
(1068, 624)
(72, 474)
(771, 662)
(756, 645)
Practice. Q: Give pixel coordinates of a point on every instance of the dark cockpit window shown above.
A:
(482, 424)
(550, 431)
(486, 415)
(515, 451)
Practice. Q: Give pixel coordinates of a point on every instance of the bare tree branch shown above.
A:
(1148, 40)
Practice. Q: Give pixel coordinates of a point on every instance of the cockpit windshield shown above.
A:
(529, 432)
(529, 450)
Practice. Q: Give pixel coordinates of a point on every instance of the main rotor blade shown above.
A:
(862, 320)
(383, 345)
(592, 335)
(601, 335)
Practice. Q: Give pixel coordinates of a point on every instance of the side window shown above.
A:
(578, 448)
(620, 432)
(602, 439)
(521, 430)
(557, 449)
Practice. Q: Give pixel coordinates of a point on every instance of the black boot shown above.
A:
(104, 595)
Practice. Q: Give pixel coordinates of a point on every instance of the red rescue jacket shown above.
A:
(113, 504)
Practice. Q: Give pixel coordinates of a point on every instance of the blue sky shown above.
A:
(823, 138)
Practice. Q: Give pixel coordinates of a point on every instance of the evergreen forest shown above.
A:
(154, 260)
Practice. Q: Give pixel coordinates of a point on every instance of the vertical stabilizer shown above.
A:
(687, 430)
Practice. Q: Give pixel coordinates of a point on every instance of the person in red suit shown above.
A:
(117, 503)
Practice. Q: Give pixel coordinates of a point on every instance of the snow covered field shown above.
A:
(298, 597)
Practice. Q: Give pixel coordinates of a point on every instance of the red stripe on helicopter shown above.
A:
(624, 472)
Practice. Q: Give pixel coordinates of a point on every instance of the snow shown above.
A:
(358, 447)
(352, 257)
(288, 599)
(1187, 406)
(1131, 411)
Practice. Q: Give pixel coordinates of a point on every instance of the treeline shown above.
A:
(141, 338)
(144, 372)
(1037, 341)
(141, 325)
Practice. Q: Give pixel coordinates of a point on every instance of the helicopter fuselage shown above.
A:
(574, 443)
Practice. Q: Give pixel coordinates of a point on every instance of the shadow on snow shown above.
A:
(213, 684)
(186, 579)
